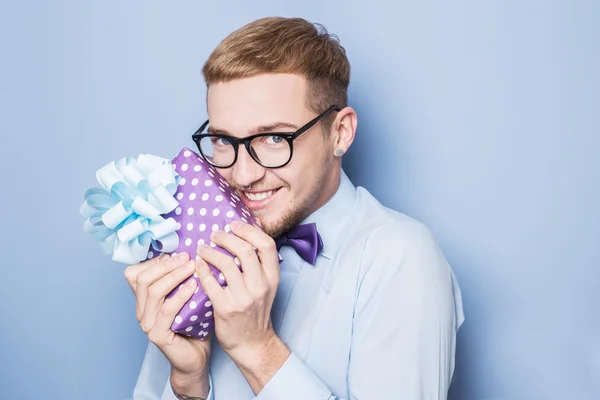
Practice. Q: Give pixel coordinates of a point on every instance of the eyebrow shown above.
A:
(259, 129)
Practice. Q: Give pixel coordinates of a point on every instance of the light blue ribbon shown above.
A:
(125, 214)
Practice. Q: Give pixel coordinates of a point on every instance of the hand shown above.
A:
(151, 281)
(242, 310)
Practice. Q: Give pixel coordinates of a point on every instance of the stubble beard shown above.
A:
(294, 215)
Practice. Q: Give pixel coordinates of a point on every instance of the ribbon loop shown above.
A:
(125, 214)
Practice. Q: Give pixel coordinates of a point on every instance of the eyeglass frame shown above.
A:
(236, 142)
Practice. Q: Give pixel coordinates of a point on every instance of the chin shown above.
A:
(285, 213)
(274, 226)
(271, 227)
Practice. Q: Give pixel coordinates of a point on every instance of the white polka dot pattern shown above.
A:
(206, 204)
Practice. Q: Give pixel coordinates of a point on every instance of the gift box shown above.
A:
(206, 204)
(150, 205)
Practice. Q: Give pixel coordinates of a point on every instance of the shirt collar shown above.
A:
(331, 217)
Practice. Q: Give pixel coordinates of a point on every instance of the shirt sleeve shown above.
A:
(295, 381)
(407, 311)
(153, 381)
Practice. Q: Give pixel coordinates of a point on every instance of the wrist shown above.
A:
(254, 356)
(260, 361)
(189, 385)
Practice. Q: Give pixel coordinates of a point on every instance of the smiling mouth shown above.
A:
(258, 196)
(258, 199)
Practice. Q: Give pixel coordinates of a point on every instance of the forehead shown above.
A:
(242, 104)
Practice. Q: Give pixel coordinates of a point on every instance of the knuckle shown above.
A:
(247, 250)
(204, 279)
(143, 280)
(226, 267)
(230, 266)
(166, 310)
(153, 292)
(226, 310)
(234, 311)
(243, 305)
(144, 327)
(154, 337)
(268, 244)
(261, 291)
(130, 274)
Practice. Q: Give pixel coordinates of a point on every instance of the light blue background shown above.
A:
(480, 118)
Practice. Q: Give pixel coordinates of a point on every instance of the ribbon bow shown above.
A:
(125, 214)
(304, 239)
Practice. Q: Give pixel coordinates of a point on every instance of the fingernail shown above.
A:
(181, 256)
(190, 265)
(190, 284)
(201, 265)
(202, 247)
(236, 224)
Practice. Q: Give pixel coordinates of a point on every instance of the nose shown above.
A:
(246, 171)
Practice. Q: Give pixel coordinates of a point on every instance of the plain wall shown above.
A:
(480, 118)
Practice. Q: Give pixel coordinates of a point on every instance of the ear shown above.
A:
(343, 130)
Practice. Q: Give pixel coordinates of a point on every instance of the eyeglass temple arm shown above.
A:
(316, 120)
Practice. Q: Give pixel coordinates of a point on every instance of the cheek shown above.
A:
(303, 173)
(226, 174)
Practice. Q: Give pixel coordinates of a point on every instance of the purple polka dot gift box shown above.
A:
(150, 205)
(206, 204)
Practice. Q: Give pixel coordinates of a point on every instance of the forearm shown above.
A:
(260, 363)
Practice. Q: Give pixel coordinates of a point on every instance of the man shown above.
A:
(372, 315)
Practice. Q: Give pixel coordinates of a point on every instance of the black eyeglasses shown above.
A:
(271, 150)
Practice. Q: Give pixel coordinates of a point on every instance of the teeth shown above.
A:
(258, 196)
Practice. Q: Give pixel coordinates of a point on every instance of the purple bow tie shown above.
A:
(304, 239)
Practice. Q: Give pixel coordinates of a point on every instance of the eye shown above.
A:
(220, 141)
(274, 139)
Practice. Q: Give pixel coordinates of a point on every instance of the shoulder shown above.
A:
(387, 230)
(394, 242)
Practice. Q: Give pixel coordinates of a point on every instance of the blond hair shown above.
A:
(285, 45)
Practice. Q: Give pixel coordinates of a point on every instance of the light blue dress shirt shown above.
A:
(375, 318)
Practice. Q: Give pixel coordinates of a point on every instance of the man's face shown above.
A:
(282, 197)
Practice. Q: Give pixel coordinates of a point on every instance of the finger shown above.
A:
(161, 331)
(245, 253)
(132, 271)
(150, 275)
(210, 285)
(153, 274)
(159, 290)
(267, 250)
(226, 265)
